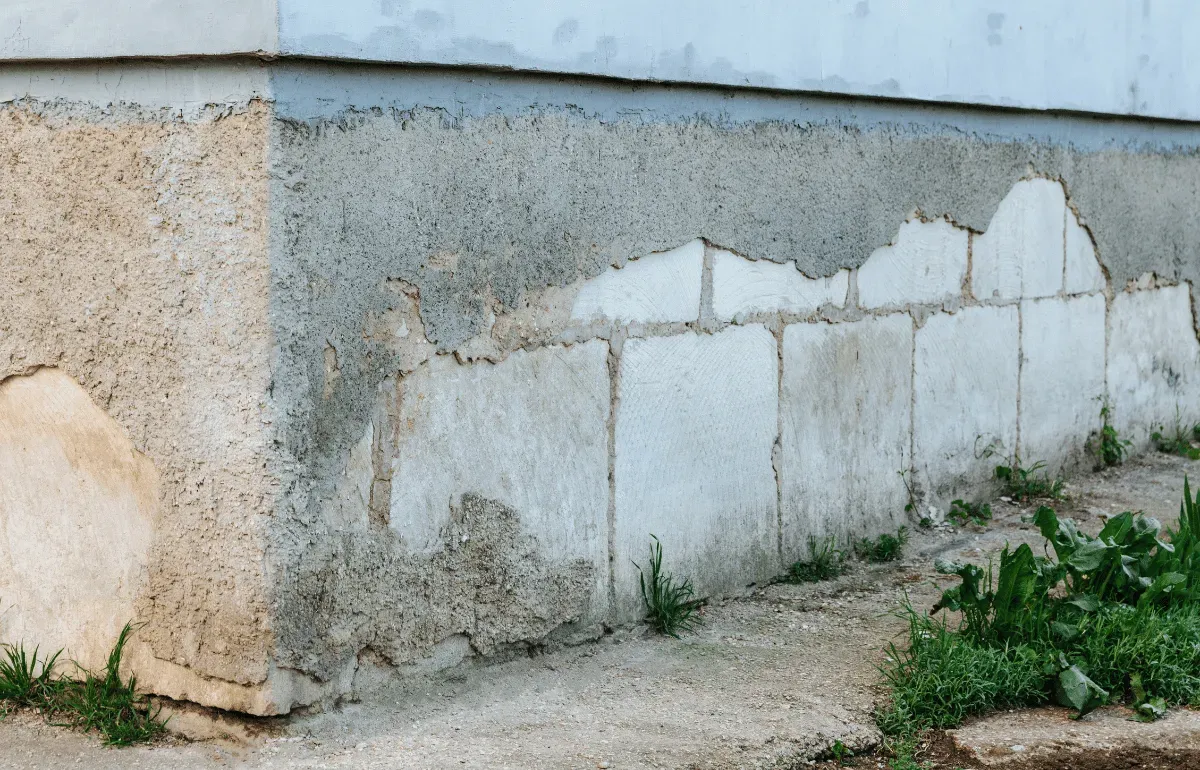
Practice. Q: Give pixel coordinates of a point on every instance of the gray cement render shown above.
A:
(481, 190)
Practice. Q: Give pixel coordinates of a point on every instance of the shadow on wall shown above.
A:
(735, 407)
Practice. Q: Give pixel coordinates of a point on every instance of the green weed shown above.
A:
(95, 701)
(884, 548)
(1180, 441)
(1111, 448)
(825, 562)
(1110, 617)
(1024, 484)
(671, 604)
(963, 513)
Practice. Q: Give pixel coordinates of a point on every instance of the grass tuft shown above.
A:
(95, 701)
(1110, 448)
(963, 513)
(886, 547)
(1180, 440)
(825, 562)
(671, 603)
(1023, 484)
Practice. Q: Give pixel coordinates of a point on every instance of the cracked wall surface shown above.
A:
(420, 360)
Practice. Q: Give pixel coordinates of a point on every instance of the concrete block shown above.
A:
(964, 400)
(78, 510)
(846, 409)
(1153, 361)
(925, 265)
(530, 432)
(1021, 254)
(658, 288)
(696, 423)
(743, 286)
(1062, 378)
(1083, 274)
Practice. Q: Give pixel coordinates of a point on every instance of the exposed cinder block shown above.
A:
(658, 288)
(925, 265)
(530, 432)
(1153, 361)
(846, 407)
(1083, 274)
(964, 400)
(745, 286)
(1021, 254)
(696, 423)
(1062, 378)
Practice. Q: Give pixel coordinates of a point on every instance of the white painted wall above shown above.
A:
(100, 29)
(1107, 56)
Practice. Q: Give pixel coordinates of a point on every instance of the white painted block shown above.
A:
(658, 288)
(696, 423)
(743, 286)
(846, 409)
(964, 400)
(1083, 273)
(1021, 254)
(530, 432)
(925, 265)
(1153, 361)
(1062, 378)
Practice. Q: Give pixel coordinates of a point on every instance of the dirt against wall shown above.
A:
(135, 261)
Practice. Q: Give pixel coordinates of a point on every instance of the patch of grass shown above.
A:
(825, 562)
(884, 548)
(101, 701)
(963, 513)
(1023, 484)
(1114, 617)
(1180, 440)
(1111, 449)
(671, 603)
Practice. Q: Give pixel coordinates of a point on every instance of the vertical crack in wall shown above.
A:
(614, 394)
(1020, 367)
(707, 319)
(777, 447)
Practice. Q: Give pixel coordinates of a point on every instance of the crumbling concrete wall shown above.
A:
(135, 264)
(792, 312)
(396, 367)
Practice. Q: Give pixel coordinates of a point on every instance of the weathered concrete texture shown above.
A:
(491, 213)
(743, 287)
(530, 432)
(135, 262)
(695, 425)
(846, 414)
(659, 288)
(79, 508)
(1153, 362)
(1021, 253)
(1062, 378)
(964, 400)
(927, 264)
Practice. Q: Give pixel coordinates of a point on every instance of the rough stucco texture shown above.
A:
(477, 216)
(135, 263)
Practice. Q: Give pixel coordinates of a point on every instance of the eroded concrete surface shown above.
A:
(135, 265)
(296, 309)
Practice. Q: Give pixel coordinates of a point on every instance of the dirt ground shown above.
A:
(771, 681)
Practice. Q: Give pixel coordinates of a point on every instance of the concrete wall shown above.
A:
(396, 367)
